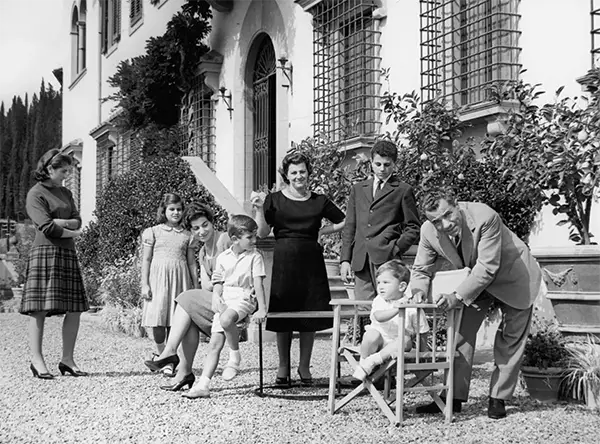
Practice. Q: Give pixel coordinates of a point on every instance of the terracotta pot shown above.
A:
(543, 384)
(572, 275)
(333, 267)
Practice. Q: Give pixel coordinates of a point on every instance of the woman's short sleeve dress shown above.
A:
(53, 277)
(299, 280)
(169, 272)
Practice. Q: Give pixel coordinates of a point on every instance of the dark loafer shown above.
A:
(496, 408)
(433, 408)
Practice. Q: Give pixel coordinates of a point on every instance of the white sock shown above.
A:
(235, 356)
(204, 382)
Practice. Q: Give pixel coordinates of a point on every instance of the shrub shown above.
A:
(432, 153)
(25, 238)
(120, 286)
(120, 293)
(128, 204)
(545, 347)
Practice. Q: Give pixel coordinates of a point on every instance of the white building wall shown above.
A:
(80, 102)
(82, 108)
(555, 51)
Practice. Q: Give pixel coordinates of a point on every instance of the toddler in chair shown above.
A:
(379, 341)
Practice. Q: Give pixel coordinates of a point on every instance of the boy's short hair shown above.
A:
(240, 224)
(398, 269)
(385, 148)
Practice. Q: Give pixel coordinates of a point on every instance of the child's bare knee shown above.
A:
(228, 319)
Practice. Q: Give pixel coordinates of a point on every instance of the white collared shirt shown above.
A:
(377, 183)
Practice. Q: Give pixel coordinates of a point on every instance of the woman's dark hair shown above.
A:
(294, 159)
(168, 199)
(52, 158)
(195, 211)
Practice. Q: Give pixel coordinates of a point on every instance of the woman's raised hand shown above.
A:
(257, 199)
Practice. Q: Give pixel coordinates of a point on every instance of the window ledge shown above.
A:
(77, 79)
(491, 113)
(357, 143)
(486, 110)
(112, 49)
(136, 25)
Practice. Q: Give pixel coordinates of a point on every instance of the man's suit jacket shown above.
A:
(500, 262)
(384, 227)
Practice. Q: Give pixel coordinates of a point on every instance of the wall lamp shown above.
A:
(286, 70)
(226, 99)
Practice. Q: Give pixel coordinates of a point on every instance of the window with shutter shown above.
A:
(111, 24)
(135, 13)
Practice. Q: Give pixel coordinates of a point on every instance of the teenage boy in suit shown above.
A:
(382, 221)
(471, 234)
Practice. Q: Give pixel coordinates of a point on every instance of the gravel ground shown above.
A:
(121, 402)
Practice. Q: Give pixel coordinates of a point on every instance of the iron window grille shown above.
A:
(111, 23)
(595, 33)
(466, 47)
(198, 124)
(112, 160)
(73, 182)
(135, 11)
(346, 51)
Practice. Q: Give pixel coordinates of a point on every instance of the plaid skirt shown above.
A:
(53, 282)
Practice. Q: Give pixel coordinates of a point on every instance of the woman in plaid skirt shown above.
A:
(53, 279)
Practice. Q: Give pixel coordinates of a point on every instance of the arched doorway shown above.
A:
(264, 167)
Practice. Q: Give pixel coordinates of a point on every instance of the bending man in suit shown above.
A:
(502, 269)
(382, 221)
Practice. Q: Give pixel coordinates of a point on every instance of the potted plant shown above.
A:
(583, 375)
(550, 155)
(544, 362)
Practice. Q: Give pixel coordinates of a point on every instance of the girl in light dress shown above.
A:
(168, 268)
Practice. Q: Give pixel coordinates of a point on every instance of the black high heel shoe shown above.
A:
(39, 375)
(64, 368)
(156, 364)
(305, 381)
(187, 380)
(283, 381)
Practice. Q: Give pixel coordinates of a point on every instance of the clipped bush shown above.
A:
(120, 293)
(128, 204)
(432, 153)
(120, 286)
(25, 238)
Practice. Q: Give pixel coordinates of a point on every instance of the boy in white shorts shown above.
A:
(379, 341)
(238, 288)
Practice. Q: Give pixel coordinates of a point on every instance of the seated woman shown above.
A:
(193, 313)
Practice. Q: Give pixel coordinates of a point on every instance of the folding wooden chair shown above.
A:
(421, 363)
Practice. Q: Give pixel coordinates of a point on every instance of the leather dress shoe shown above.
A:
(496, 408)
(433, 408)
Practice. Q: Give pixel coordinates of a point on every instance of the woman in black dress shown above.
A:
(299, 281)
(53, 279)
